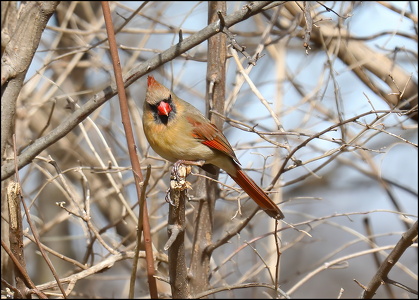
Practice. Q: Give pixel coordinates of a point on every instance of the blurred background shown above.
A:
(329, 129)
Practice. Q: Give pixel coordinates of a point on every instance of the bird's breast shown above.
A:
(174, 141)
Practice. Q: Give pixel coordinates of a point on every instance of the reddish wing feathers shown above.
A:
(258, 195)
(210, 136)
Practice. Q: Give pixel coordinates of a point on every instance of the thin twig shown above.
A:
(138, 243)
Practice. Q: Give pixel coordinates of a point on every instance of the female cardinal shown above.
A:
(177, 131)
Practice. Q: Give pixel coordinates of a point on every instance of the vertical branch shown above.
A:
(136, 168)
(176, 230)
(208, 190)
(15, 234)
(216, 70)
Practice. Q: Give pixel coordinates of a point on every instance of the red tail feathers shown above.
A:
(257, 194)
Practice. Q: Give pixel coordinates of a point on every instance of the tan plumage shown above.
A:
(176, 130)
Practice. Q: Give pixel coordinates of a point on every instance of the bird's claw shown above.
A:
(168, 198)
(180, 171)
(178, 180)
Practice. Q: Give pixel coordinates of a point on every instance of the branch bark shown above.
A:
(176, 229)
(208, 189)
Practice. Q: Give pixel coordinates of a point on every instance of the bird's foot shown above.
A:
(182, 168)
(180, 171)
(168, 198)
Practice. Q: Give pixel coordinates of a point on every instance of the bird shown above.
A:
(180, 133)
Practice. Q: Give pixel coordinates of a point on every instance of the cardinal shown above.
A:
(180, 133)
